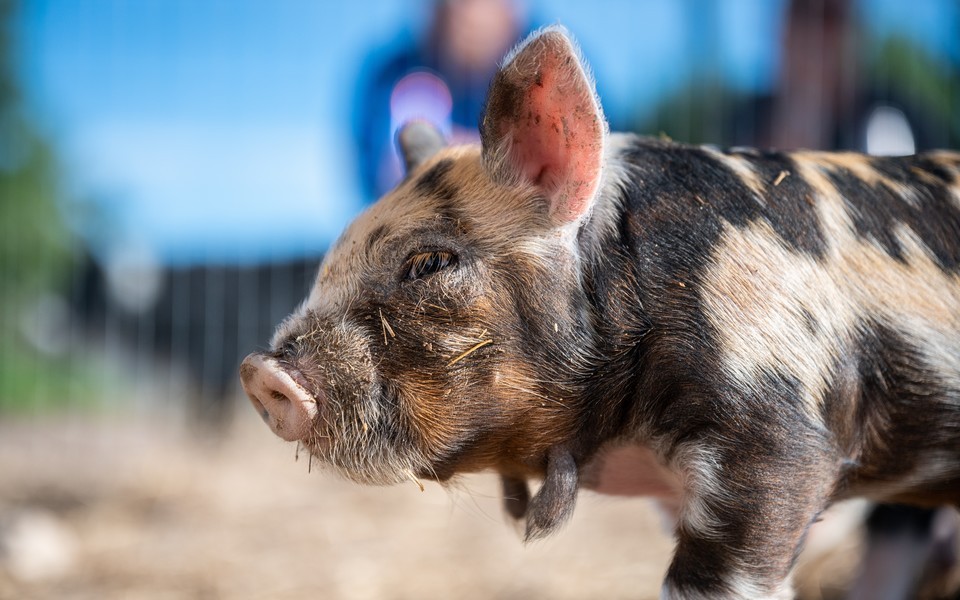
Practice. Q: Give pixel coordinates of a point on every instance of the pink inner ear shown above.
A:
(560, 145)
(557, 131)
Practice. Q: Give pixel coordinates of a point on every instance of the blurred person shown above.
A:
(817, 78)
(442, 78)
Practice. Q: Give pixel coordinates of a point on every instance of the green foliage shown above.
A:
(934, 86)
(697, 113)
(31, 384)
(35, 252)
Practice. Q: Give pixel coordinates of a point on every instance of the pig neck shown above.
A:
(613, 437)
(642, 253)
(612, 270)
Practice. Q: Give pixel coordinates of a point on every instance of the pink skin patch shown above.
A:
(560, 145)
(631, 470)
(634, 470)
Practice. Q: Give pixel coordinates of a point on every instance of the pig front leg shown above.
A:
(553, 504)
(746, 509)
(516, 496)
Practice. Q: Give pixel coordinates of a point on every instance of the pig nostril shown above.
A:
(259, 407)
(279, 395)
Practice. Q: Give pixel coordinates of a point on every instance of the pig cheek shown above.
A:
(408, 370)
(441, 382)
(429, 400)
(441, 407)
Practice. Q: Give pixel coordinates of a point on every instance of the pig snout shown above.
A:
(285, 405)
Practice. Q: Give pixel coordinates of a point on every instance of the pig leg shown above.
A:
(555, 499)
(516, 496)
(743, 519)
(906, 548)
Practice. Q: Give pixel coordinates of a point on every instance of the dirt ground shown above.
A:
(140, 508)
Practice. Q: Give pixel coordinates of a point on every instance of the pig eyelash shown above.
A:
(424, 264)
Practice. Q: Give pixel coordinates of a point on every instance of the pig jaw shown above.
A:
(355, 430)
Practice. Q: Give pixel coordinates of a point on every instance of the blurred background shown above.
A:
(171, 173)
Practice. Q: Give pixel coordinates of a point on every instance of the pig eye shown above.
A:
(428, 263)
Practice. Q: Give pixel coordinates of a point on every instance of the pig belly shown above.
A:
(631, 470)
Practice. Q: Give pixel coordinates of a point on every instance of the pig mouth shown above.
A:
(325, 392)
(356, 432)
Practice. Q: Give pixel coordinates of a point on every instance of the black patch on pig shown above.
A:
(378, 233)
(433, 183)
(885, 391)
(691, 193)
(789, 204)
(877, 210)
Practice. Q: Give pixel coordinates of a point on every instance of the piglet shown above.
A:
(750, 336)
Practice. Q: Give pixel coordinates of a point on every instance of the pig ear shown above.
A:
(555, 499)
(418, 141)
(544, 126)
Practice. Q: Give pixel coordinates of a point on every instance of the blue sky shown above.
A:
(218, 131)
